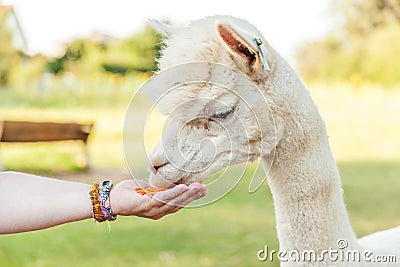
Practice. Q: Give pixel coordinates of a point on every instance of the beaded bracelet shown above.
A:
(104, 199)
(100, 199)
(94, 199)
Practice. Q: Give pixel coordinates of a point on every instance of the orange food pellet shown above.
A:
(149, 190)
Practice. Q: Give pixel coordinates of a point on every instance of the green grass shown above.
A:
(364, 131)
(90, 92)
(371, 193)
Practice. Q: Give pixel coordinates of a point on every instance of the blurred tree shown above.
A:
(105, 53)
(364, 16)
(135, 54)
(74, 52)
(9, 55)
(364, 47)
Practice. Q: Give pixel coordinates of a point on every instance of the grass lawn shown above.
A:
(364, 129)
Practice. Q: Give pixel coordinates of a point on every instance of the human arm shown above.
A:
(29, 202)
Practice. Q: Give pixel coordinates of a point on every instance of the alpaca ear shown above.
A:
(162, 28)
(238, 44)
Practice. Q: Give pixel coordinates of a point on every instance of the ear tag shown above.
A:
(260, 49)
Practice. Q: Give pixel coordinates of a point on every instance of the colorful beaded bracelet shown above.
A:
(100, 200)
(104, 199)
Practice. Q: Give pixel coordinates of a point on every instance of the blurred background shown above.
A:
(81, 62)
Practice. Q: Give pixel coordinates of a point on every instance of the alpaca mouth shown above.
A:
(155, 168)
(165, 175)
(180, 181)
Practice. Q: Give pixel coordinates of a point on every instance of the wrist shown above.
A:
(115, 210)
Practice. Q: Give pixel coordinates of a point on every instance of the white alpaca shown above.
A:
(304, 180)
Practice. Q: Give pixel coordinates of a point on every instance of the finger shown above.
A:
(169, 194)
(203, 188)
(194, 192)
(192, 198)
(169, 208)
(185, 198)
(202, 192)
(196, 184)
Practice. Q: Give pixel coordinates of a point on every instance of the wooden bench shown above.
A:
(23, 132)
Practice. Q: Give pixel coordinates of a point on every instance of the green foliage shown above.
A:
(102, 53)
(83, 59)
(365, 48)
(56, 65)
(135, 53)
(9, 56)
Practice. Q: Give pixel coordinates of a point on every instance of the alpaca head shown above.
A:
(225, 118)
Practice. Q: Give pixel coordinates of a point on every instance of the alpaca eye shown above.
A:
(222, 115)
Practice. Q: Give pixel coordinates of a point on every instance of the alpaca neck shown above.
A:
(303, 178)
(309, 207)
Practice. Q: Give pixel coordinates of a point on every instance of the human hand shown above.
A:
(126, 201)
